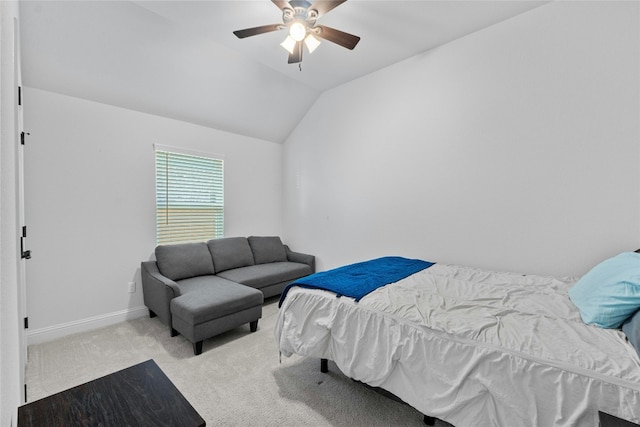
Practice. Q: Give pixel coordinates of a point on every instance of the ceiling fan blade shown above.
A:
(324, 6)
(282, 4)
(248, 32)
(296, 56)
(338, 37)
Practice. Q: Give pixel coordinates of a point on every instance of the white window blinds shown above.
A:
(189, 197)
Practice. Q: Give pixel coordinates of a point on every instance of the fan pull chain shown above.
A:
(300, 65)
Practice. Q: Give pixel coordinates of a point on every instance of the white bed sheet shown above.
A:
(471, 347)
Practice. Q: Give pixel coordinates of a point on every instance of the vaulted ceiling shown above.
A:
(180, 59)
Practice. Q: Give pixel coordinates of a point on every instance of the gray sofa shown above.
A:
(202, 289)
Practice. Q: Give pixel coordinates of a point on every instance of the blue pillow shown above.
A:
(631, 328)
(610, 292)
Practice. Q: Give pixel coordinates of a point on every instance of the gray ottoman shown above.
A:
(219, 306)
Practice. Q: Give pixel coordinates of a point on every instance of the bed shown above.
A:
(471, 347)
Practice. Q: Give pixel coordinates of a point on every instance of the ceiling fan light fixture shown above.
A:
(300, 17)
(297, 31)
(311, 42)
(288, 44)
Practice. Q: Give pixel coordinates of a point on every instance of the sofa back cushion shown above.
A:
(184, 260)
(267, 249)
(230, 252)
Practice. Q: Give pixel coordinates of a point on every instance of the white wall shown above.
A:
(514, 148)
(10, 365)
(90, 203)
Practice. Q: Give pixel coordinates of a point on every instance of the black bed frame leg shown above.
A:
(430, 421)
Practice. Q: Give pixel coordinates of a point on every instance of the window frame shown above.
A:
(186, 217)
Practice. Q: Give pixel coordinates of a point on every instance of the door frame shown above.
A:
(20, 206)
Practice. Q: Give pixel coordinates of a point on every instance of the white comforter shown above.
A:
(472, 347)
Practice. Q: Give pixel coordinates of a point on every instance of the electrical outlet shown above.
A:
(132, 287)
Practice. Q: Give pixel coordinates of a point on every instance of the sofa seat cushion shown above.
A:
(196, 284)
(217, 299)
(230, 252)
(184, 260)
(259, 276)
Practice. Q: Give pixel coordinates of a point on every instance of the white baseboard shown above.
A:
(50, 333)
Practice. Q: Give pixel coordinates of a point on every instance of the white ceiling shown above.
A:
(180, 59)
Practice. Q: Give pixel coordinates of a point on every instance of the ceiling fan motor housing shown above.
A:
(300, 12)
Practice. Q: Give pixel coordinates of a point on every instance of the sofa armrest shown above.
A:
(310, 260)
(154, 275)
(158, 290)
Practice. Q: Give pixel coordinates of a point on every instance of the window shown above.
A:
(189, 197)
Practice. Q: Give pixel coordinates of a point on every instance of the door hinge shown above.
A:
(22, 134)
(25, 393)
(24, 254)
(19, 95)
(26, 323)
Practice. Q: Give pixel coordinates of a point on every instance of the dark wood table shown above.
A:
(141, 395)
(608, 420)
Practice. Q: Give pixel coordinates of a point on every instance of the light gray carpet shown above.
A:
(236, 381)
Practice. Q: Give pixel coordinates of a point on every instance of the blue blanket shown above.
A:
(357, 280)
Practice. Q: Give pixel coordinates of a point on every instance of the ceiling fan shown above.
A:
(300, 17)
